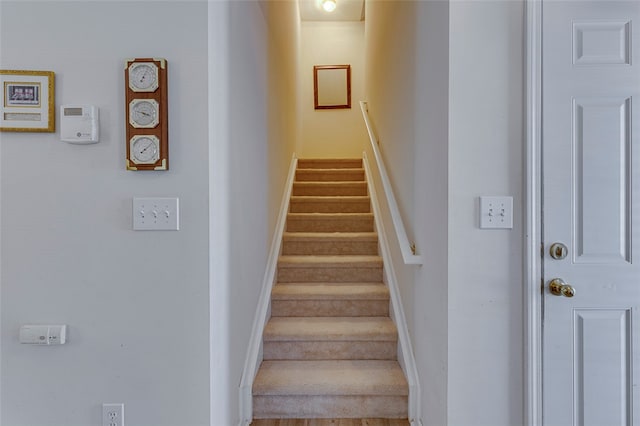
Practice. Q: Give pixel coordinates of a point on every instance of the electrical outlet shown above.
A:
(112, 414)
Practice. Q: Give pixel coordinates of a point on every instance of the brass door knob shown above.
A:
(558, 287)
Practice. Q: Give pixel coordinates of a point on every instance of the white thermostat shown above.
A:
(79, 124)
(43, 334)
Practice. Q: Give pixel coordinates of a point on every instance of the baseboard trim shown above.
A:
(254, 352)
(405, 350)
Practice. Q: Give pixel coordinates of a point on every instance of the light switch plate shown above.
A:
(156, 214)
(496, 212)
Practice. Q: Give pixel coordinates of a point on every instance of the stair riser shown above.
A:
(329, 275)
(329, 308)
(330, 350)
(329, 164)
(357, 224)
(311, 175)
(329, 248)
(341, 406)
(328, 190)
(330, 207)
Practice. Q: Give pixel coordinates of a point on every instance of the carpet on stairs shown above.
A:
(330, 347)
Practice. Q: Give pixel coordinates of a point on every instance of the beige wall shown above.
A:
(338, 132)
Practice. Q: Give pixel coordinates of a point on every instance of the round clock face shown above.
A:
(144, 113)
(145, 149)
(143, 77)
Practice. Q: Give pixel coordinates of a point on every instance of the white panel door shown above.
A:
(591, 204)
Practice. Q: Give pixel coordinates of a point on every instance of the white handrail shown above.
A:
(407, 248)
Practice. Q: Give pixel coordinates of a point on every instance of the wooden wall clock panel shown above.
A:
(146, 114)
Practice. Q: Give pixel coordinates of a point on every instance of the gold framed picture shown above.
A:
(27, 103)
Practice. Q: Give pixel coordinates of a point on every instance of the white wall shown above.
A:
(135, 302)
(449, 116)
(431, 176)
(485, 266)
(334, 132)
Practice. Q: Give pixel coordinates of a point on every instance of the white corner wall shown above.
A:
(485, 266)
(334, 132)
(136, 303)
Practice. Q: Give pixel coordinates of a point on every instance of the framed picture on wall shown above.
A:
(332, 86)
(28, 101)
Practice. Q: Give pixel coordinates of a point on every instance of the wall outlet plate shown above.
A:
(496, 212)
(113, 414)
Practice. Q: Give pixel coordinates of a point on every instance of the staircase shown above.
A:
(330, 347)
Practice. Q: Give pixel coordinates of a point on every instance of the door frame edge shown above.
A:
(533, 295)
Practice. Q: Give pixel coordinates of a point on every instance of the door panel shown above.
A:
(591, 203)
(601, 177)
(602, 365)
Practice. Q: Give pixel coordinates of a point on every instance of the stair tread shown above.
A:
(330, 198)
(330, 329)
(318, 162)
(330, 236)
(331, 183)
(329, 291)
(330, 377)
(303, 261)
(330, 169)
(331, 258)
(330, 175)
(329, 215)
(345, 188)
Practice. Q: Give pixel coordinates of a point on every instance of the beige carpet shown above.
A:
(330, 347)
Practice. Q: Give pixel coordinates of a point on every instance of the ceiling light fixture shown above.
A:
(329, 5)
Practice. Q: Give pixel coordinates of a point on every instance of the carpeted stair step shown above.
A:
(343, 204)
(330, 222)
(345, 269)
(315, 338)
(330, 243)
(329, 188)
(330, 348)
(329, 175)
(330, 389)
(329, 163)
(330, 299)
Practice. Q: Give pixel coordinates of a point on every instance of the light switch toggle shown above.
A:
(43, 334)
